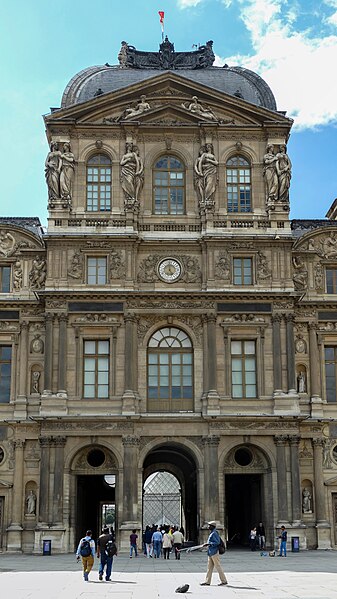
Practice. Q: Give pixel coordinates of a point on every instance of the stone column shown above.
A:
(277, 350)
(295, 479)
(48, 355)
(204, 362)
(23, 360)
(314, 362)
(130, 479)
(44, 481)
(211, 352)
(281, 442)
(14, 541)
(62, 366)
(59, 443)
(129, 353)
(211, 477)
(322, 525)
(291, 354)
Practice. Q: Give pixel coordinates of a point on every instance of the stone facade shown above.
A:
(242, 411)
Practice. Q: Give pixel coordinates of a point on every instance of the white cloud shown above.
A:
(295, 64)
(188, 3)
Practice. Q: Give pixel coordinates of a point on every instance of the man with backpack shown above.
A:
(106, 549)
(86, 551)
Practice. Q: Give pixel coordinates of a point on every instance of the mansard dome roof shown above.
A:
(194, 66)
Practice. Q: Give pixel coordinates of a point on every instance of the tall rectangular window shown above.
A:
(331, 280)
(5, 372)
(330, 373)
(5, 279)
(96, 270)
(238, 184)
(242, 271)
(99, 184)
(243, 359)
(96, 369)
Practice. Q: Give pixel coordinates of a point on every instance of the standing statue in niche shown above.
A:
(206, 176)
(283, 167)
(67, 172)
(36, 381)
(301, 382)
(132, 173)
(270, 174)
(52, 171)
(31, 503)
(306, 501)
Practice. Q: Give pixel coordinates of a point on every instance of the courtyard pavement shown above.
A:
(304, 575)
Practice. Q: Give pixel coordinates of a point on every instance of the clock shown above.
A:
(169, 270)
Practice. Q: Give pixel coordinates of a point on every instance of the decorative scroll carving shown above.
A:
(88, 425)
(166, 58)
(144, 324)
(96, 319)
(318, 276)
(147, 271)
(38, 273)
(75, 270)
(243, 318)
(262, 268)
(131, 440)
(300, 276)
(328, 326)
(6, 325)
(195, 324)
(117, 266)
(222, 266)
(169, 304)
(82, 462)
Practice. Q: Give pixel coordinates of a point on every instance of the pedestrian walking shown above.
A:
(252, 539)
(178, 539)
(213, 544)
(148, 541)
(167, 545)
(156, 540)
(283, 542)
(133, 543)
(261, 536)
(106, 550)
(86, 551)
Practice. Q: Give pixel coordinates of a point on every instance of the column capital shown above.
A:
(49, 317)
(289, 317)
(211, 441)
(63, 317)
(276, 317)
(210, 317)
(131, 440)
(19, 443)
(45, 441)
(24, 325)
(130, 317)
(281, 440)
(312, 326)
(294, 440)
(318, 442)
(58, 441)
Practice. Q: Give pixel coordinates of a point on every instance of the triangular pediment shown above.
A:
(167, 91)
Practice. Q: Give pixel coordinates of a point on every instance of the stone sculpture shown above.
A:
(196, 108)
(31, 502)
(36, 381)
(306, 501)
(17, 275)
(270, 174)
(66, 172)
(52, 171)
(206, 176)
(283, 167)
(301, 382)
(277, 174)
(131, 174)
(132, 113)
(300, 276)
(37, 275)
(7, 243)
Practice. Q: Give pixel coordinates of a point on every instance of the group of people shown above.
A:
(106, 550)
(162, 540)
(257, 537)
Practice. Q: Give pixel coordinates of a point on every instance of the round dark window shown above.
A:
(2, 455)
(96, 458)
(243, 456)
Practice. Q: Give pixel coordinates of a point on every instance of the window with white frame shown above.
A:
(243, 366)
(96, 355)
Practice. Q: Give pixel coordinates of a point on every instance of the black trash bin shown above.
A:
(46, 548)
(295, 544)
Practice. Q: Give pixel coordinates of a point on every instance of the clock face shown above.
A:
(169, 270)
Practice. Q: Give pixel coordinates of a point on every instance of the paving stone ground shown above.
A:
(304, 575)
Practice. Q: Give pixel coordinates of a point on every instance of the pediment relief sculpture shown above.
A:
(195, 107)
(132, 113)
(59, 173)
(324, 245)
(11, 244)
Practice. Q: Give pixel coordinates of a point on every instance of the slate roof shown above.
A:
(29, 223)
(232, 80)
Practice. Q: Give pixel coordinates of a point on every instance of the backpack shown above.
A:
(85, 549)
(111, 548)
(222, 547)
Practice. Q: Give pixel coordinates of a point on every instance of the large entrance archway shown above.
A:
(177, 460)
(94, 491)
(248, 493)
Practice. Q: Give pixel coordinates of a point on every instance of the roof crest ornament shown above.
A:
(166, 58)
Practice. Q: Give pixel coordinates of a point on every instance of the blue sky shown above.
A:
(292, 44)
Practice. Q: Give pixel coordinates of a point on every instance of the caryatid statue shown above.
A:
(131, 174)
(206, 176)
(66, 172)
(52, 171)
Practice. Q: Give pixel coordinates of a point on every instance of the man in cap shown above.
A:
(213, 543)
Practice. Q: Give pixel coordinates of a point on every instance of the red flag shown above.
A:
(161, 18)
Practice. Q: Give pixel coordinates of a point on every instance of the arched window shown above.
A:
(99, 183)
(238, 185)
(170, 371)
(169, 186)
